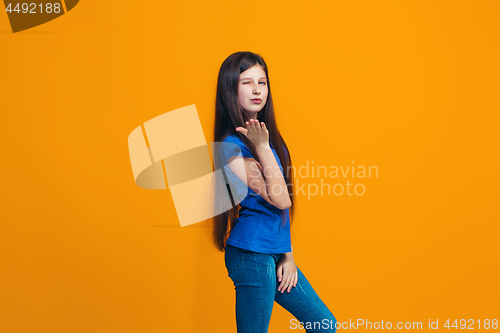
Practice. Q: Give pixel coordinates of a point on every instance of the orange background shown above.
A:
(409, 86)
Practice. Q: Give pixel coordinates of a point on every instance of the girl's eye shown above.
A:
(263, 83)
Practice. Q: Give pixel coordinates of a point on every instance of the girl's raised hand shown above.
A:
(255, 132)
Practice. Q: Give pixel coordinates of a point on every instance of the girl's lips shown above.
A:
(256, 100)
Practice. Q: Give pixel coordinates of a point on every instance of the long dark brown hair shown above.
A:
(228, 116)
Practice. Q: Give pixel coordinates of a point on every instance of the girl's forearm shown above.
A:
(276, 188)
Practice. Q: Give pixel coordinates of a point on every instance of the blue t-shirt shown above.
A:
(259, 226)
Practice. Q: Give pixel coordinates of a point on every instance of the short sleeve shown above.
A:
(229, 148)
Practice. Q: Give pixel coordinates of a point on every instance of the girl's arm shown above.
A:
(252, 174)
(265, 178)
(275, 184)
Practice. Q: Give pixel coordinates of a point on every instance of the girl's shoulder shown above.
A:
(233, 144)
(233, 138)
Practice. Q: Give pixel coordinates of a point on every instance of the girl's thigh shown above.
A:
(307, 307)
(254, 278)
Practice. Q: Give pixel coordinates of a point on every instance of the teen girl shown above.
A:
(258, 252)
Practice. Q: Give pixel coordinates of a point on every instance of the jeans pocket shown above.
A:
(233, 259)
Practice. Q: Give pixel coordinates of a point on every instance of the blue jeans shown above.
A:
(256, 285)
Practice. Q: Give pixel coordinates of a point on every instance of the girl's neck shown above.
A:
(252, 115)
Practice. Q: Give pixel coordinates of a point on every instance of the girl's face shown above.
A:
(252, 90)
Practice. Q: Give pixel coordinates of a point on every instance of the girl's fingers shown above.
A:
(283, 281)
(255, 123)
(254, 128)
(287, 281)
(251, 127)
(291, 282)
(242, 130)
(286, 284)
(257, 126)
(282, 286)
(279, 273)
